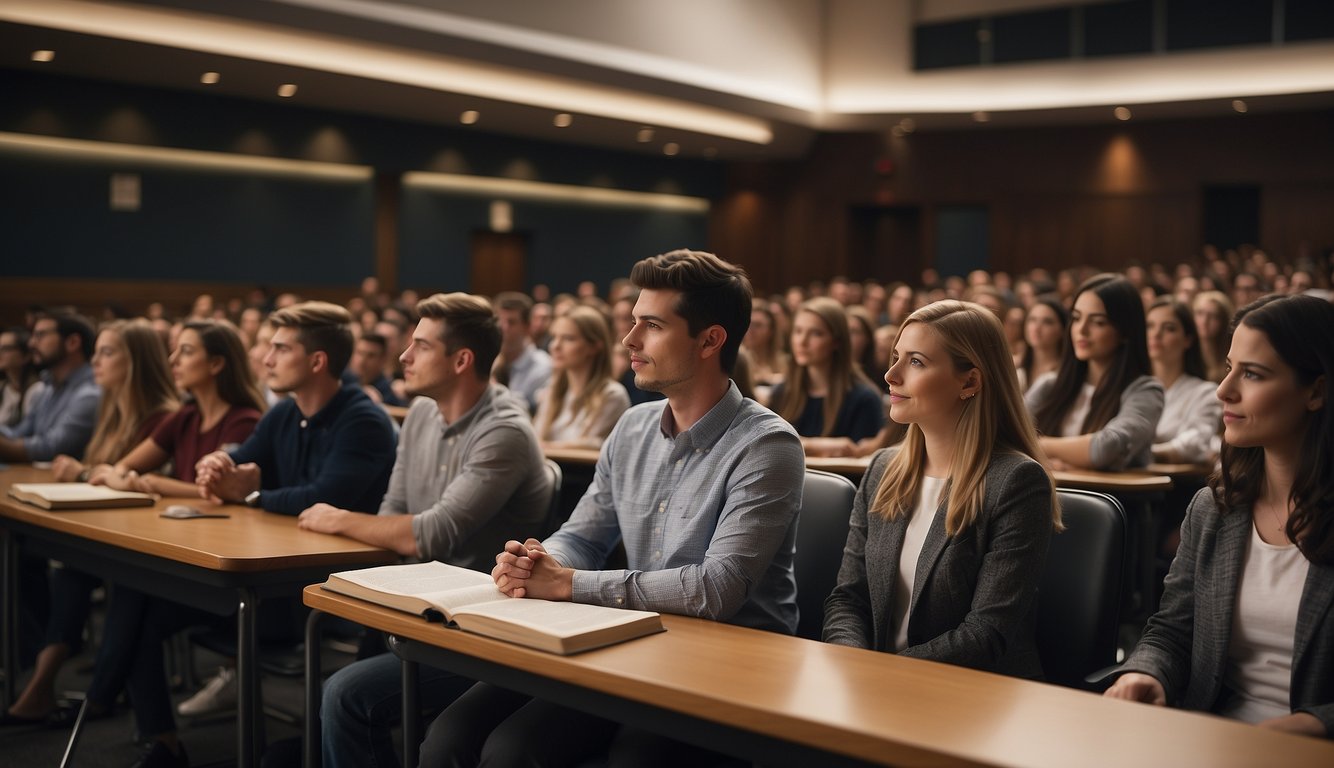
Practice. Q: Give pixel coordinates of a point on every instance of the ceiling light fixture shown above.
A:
(644, 136)
(287, 90)
(981, 117)
(562, 120)
(469, 117)
(1122, 113)
(671, 149)
(1239, 106)
(907, 125)
(43, 56)
(210, 78)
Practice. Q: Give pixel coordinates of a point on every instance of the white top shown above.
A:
(928, 502)
(1264, 624)
(588, 427)
(1191, 420)
(1073, 426)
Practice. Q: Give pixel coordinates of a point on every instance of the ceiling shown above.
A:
(417, 67)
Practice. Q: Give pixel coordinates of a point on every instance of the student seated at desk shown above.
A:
(824, 393)
(583, 402)
(64, 412)
(1192, 417)
(703, 491)
(1099, 410)
(949, 531)
(209, 364)
(130, 367)
(1245, 628)
(468, 476)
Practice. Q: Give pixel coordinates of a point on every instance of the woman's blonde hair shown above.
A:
(148, 390)
(594, 328)
(993, 421)
(842, 372)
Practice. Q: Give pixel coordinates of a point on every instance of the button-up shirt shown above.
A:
(529, 373)
(708, 516)
(62, 417)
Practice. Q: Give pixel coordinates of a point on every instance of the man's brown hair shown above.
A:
(470, 323)
(320, 327)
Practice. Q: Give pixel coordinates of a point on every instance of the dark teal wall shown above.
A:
(256, 227)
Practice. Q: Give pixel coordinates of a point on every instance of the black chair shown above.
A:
(822, 530)
(555, 517)
(1079, 597)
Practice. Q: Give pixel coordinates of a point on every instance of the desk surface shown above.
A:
(250, 540)
(1129, 481)
(871, 706)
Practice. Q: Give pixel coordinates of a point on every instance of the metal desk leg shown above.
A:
(310, 739)
(248, 709)
(9, 605)
(412, 726)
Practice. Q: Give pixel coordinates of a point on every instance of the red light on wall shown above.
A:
(884, 167)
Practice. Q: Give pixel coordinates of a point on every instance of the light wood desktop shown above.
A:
(785, 700)
(220, 564)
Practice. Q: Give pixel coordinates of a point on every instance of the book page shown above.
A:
(444, 586)
(75, 492)
(560, 619)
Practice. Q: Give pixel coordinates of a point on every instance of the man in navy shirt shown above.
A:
(325, 443)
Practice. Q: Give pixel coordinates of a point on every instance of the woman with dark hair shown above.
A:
(764, 345)
(861, 337)
(1046, 326)
(18, 376)
(1099, 410)
(1192, 416)
(1244, 627)
(824, 394)
(949, 532)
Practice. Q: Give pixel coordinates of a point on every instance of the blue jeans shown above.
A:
(363, 701)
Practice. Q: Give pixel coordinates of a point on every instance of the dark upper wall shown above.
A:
(257, 227)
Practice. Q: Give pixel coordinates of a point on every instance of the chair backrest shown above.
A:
(822, 530)
(554, 515)
(1079, 597)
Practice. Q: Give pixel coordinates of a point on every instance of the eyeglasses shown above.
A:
(40, 332)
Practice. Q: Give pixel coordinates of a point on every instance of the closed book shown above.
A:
(56, 496)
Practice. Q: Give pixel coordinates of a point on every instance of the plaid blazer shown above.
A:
(1185, 644)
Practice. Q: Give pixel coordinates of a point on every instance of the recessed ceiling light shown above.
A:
(671, 148)
(644, 136)
(43, 56)
(209, 78)
(287, 90)
(562, 120)
(981, 117)
(1122, 113)
(907, 125)
(1239, 106)
(469, 117)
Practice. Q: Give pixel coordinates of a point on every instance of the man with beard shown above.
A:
(63, 414)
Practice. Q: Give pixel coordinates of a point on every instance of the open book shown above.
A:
(471, 601)
(77, 496)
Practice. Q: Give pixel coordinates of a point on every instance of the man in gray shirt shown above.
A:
(523, 367)
(468, 475)
(703, 489)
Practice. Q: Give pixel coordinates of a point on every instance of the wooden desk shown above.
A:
(784, 700)
(221, 565)
(396, 412)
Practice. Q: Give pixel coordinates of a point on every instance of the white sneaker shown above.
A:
(217, 695)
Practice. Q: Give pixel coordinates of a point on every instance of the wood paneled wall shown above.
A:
(1105, 196)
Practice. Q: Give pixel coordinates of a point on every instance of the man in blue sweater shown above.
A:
(325, 443)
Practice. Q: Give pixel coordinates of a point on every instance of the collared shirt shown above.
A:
(708, 517)
(340, 456)
(529, 373)
(62, 416)
(471, 485)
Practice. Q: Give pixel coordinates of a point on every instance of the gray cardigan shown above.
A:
(1185, 644)
(973, 601)
(1126, 440)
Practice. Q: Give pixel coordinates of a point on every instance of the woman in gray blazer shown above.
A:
(1246, 628)
(1100, 409)
(949, 531)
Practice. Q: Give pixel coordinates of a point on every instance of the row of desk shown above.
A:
(760, 696)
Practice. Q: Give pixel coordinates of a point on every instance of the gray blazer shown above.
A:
(1126, 440)
(973, 596)
(1185, 644)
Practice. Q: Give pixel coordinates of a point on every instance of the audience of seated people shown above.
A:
(1116, 370)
